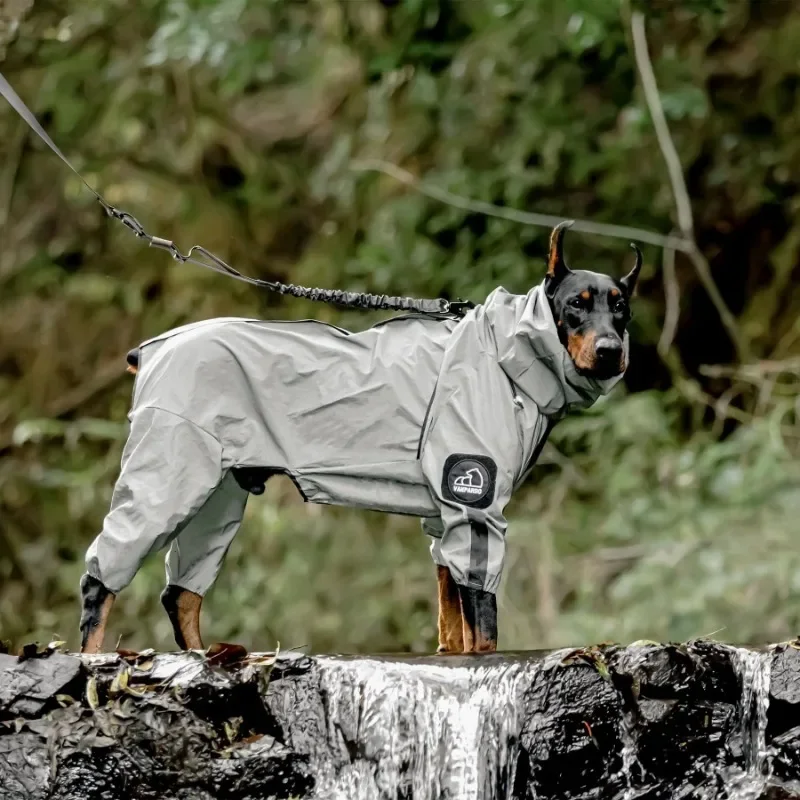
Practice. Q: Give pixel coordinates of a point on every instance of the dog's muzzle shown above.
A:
(609, 356)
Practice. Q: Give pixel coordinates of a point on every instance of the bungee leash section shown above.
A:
(203, 258)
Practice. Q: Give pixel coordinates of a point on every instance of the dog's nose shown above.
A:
(608, 349)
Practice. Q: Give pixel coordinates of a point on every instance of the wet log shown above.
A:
(698, 720)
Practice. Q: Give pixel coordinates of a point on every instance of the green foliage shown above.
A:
(664, 512)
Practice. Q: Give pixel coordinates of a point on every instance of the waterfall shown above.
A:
(753, 669)
(419, 730)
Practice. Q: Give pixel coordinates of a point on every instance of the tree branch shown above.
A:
(678, 184)
(512, 214)
(650, 87)
(672, 302)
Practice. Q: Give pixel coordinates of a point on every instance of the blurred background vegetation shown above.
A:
(668, 511)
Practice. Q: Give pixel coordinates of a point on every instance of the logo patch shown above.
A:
(469, 479)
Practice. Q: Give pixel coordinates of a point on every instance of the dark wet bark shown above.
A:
(654, 721)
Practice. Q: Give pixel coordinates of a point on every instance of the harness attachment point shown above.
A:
(459, 307)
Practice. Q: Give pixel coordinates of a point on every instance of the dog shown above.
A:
(432, 416)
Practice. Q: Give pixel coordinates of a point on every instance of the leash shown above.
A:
(204, 258)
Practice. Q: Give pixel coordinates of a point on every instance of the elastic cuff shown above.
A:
(187, 587)
(93, 572)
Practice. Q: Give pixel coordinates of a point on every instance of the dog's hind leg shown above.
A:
(170, 467)
(195, 558)
(183, 610)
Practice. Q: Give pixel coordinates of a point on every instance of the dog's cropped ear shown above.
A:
(557, 268)
(629, 281)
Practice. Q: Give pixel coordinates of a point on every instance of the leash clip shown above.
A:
(459, 307)
(165, 244)
(130, 222)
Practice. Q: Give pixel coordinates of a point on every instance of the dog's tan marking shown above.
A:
(188, 614)
(581, 349)
(475, 643)
(586, 294)
(451, 625)
(133, 370)
(555, 257)
(615, 292)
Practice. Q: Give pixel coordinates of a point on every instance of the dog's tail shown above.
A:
(133, 360)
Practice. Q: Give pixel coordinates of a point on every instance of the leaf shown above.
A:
(91, 693)
(94, 740)
(120, 682)
(224, 653)
(103, 741)
(232, 728)
(65, 700)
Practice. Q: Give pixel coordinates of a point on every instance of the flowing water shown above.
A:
(753, 670)
(419, 731)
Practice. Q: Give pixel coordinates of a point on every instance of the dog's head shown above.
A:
(591, 311)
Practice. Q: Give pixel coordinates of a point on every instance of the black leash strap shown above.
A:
(204, 258)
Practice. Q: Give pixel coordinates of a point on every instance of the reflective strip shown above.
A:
(478, 554)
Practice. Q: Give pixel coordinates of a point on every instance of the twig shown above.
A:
(693, 393)
(713, 633)
(672, 302)
(682, 203)
(512, 214)
(755, 371)
(650, 87)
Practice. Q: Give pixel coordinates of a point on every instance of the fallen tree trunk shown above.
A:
(701, 720)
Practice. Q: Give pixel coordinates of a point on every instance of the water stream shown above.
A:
(419, 731)
(753, 670)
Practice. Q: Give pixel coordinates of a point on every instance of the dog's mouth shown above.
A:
(600, 358)
(601, 373)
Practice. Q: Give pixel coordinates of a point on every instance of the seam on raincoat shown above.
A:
(185, 419)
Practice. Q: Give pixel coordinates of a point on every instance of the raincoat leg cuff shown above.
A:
(190, 586)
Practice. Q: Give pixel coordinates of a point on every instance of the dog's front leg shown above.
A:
(96, 602)
(451, 626)
(479, 614)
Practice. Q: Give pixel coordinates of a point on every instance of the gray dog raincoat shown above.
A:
(437, 417)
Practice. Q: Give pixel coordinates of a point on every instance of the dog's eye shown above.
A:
(618, 307)
(577, 302)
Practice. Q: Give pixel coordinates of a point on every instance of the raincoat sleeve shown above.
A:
(470, 458)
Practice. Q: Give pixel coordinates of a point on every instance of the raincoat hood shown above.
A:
(531, 354)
